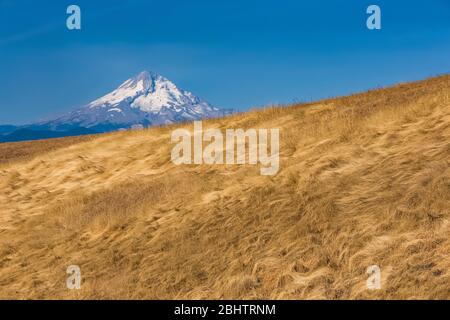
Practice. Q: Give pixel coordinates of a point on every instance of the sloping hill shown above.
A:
(364, 180)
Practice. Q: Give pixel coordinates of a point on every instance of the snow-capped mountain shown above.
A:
(144, 100)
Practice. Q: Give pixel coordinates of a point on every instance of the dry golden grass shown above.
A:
(363, 180)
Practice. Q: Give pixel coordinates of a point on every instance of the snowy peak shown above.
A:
(127, 90)
(150, 92)
(146, 99)
(143, 81)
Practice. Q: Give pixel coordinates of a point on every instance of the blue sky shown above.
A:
(234, 53)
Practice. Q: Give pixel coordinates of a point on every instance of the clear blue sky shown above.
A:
(234, 53)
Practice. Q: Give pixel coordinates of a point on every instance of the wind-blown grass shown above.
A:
(364, 180)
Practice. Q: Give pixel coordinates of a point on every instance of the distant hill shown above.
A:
(6, 129)
(24, 134)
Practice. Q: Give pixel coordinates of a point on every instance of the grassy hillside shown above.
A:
(363, 180)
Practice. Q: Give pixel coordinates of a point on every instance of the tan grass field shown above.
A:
(363, 180)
